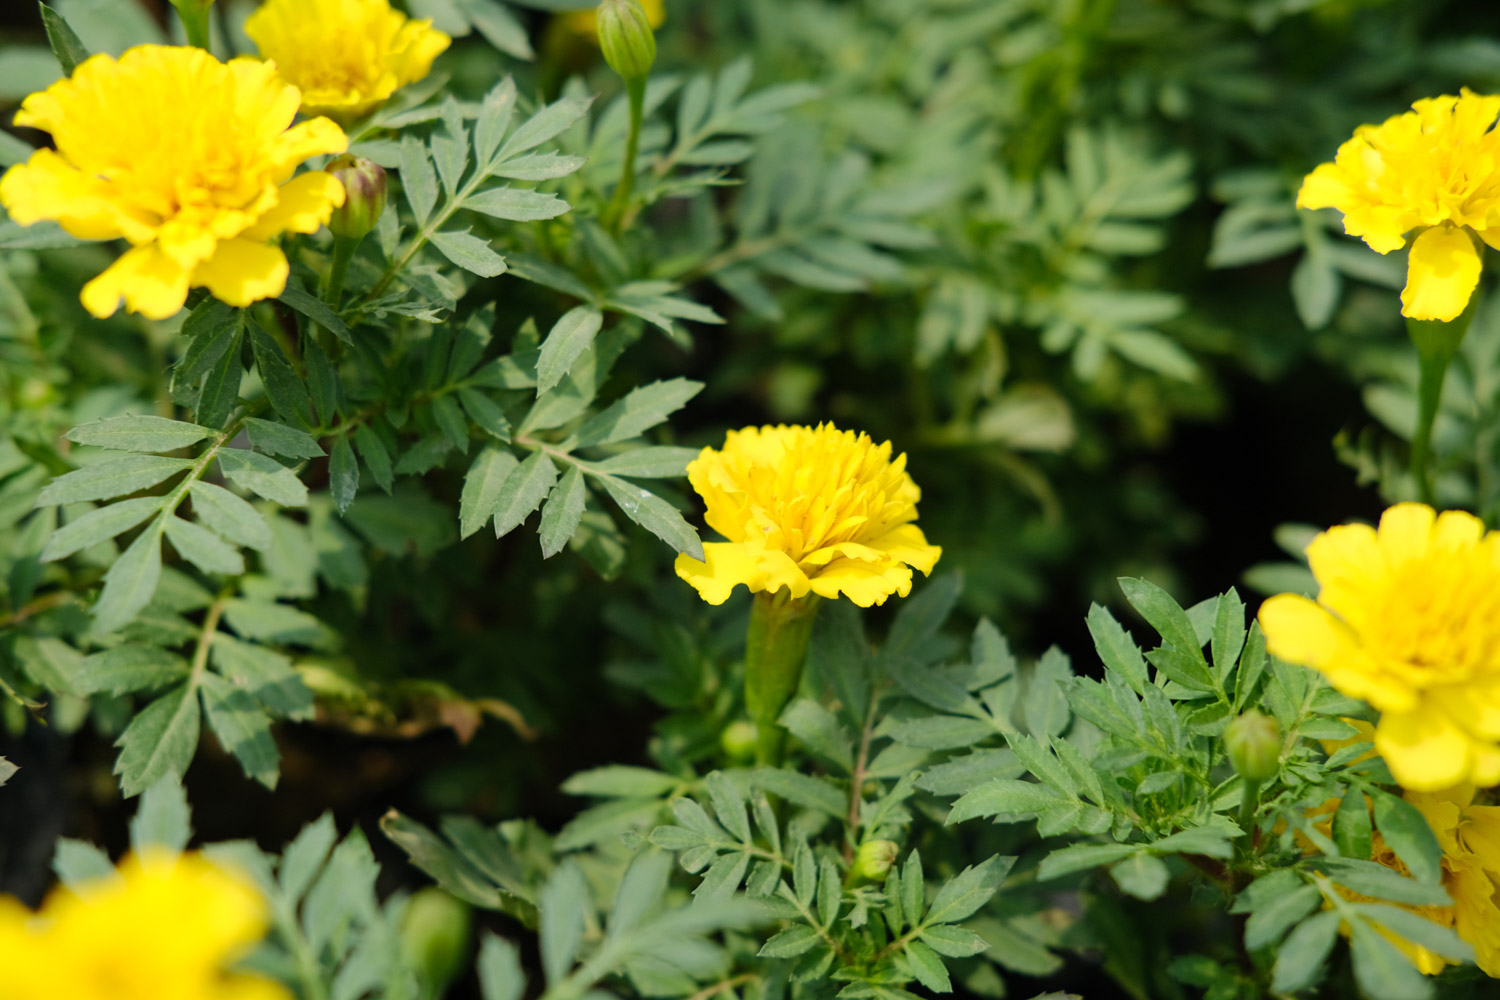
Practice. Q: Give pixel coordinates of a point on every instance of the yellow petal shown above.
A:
(243, 271)
(862, 582)
(48, 187)
(1441, 273)
(1299, 631)
(1477, 916)
(1348, 564)
(309, 138)
(149, 281)
(303, 204)
(1405, 532)
(1456, 529)
(1325, 187)
(909, 545)
(727, 564)
(1424, 749)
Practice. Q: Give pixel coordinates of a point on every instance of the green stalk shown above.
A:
(614, 215)
(194, 14)
(775, 646)
(1437, 344)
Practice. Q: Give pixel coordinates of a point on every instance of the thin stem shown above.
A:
(857, 778)
(724, 984)
(1437, 343)
(635, 89)
(35, 607)
(194, 14)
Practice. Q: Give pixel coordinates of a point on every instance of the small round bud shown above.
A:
(435, 937)
(364, 196)
(738, 740)
(873, 861)
(1253, 742)
(625, 38)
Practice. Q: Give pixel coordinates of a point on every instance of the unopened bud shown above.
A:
(625, 38)
(873, 861)
(1253, 742)
(435, 937)
(364, 196)
(738, 740)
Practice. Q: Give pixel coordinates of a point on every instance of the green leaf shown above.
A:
(450, 420)
(1406, 831)
(159, 741)
(1082, 857)
(794, 941)
(262, 476)
(1004, 796)
(317, 311)
(802, 790)
(267, 621)
(265, 674)
(99, 525)
(469, 252)
(550, 121)
(482, 485)
(963, 895)
(377, 459)
(343, 474)
(139, 433)
(1351, 826)
(1116, 648)
(203, 548)
(564, 908)
(655, 515)
(162, 818)
(500, 975)
(211, 329)
(304, 856)
(1171, 623)
(817, 727)
(77, 862)
(1269, 921)
(519, 204)
(1371, 879)
(494, 119)
(921, 616)
(66, 45)
(1419, 930)
(129, 668)
(648, 463)
(1299, 961)
(1229, 633)
(417, 178)
(523, 491)
(928, 968)
(220, 391)
(284, 388)
(1142, 876)
(485, 413)
(130, 583)
(230, 516)
(242, 727)
(620, 781)
(570, 337)
(563, 511)
(106, 480)
(279, 439)
(641, 888)
(954, 942)
(1381, 971)
(641, 409)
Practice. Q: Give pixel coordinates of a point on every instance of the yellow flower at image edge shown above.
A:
(1408, 619)
(810, 509)
(347, 56)
(187, 158)
(164, 927)
(1435, 169)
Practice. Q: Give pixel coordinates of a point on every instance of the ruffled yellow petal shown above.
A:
(726, 565)
(243, 271)
(1441, 273)
(1424, 749)
(1477, 915)
(907, 544)
(305, 139)
(1298, 630)
(303, 204)
(864, 583)
(48, 187)
(1325, 187)
(1405, 531)
(148, 281)
(1456, 529)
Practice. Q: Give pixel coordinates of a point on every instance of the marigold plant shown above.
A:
(1435, 169)
(586, 22)
(347, 56)
(812, 509)
(188, 159)
(165, 927)
(1407, 618)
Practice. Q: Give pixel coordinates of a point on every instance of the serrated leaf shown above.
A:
(220, 389)
(450, 420)
(1383, 972)
(485, 413)
(563, 907)
(284, 388)
(1141, 875)
(65, 43)
(203, 548)
(523, 491)
(139, 433)
(106, 480)
(570, 337)
(790, 943)
(162, 818)
(640, 410)
(278, 439)
(500, 975)
(819, 729)
(517, 204)
(99, 525)
(469, 252)
(304, 856)
(482, 485)
(159, 741)
(266, 675)
(927, 967)
(230, 515)
(648, 463)
(77, 862)
(1299, 960)
(1116, 648)
(1268, 922)
(655, 515)
(550, 121)
(953, 942)
(417, 178)
(963, 895)
(540, 167)
(562, 512)
(620, 781)
(377, 459)
(318, 311)
(262, 476)
(242, 727)
(1406, 832)
(128, 668)
(343, 474)
(130, 583)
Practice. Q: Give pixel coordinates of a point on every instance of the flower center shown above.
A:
(1441, 613)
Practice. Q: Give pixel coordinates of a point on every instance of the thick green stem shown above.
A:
(1249, 802)
(615, 215)
(1437, 343)
(774, 649)
(194, 14)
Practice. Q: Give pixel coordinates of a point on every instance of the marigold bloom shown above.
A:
(187, 158)
(1436, 169)
(347, 56)
(809, 509)
(164, 928)
(1407, 618)
(586, 22)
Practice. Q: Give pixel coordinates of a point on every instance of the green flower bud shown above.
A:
(873, 861)
(364, 196)
(738, 740)
(435, 937)
(1253, 742)
(625, 38)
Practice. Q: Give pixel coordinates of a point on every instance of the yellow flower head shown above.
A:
(187, 158)
(1407, 618)
(347, 56)
(809, 509)
(584, 22)
(1435, 169)
(164, 928)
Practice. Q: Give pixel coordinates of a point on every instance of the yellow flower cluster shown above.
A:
(1470, 838)
(164, 928)
(1434, 169)
(1408, 619)
(346, 56)
(187, 158)
(815, 510)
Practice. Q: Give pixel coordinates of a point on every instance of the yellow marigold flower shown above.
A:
(584, 22)
(808, 509)
(165, 927)
(1407, 618)
(187, 158)
(1435, 169)
(347, 56)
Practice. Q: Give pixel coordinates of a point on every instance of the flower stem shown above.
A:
(614, 216)
(194, 14)
(775, 646)
(1437, 343)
